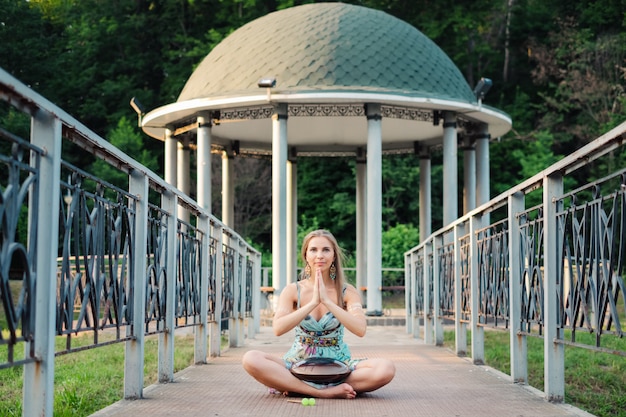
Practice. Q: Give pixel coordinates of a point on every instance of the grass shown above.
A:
(87, 381)
(594, 381)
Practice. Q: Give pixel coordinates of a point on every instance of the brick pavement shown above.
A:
(430, 381)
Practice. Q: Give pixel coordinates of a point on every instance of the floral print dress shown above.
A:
(319, 339)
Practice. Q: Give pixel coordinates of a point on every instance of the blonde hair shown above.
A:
(339, 257)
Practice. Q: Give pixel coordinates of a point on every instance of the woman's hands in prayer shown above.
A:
(319, 289)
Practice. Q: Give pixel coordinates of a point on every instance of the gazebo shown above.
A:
(330, 79)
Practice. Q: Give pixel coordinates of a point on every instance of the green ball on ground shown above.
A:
(308, 401)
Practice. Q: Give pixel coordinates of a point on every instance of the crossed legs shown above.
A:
(270, 371)
(371, 374)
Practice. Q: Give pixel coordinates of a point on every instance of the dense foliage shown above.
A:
(558, 68)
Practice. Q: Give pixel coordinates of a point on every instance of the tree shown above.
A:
(557, 66)
(126, 138)
(28, 46)
(253, 199)
(397, 240)
(327, 193)
(400, 180)
(582, 78)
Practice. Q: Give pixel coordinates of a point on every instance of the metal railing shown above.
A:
(554, 270)
(109, 263)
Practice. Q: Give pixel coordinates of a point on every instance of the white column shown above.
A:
(292, 217)
(182, 181)
(361, 221)
(482, 170)
(228, 189)
(482, 166)
(469, 175)
(450, 186)
(204, 163)
(171, 165)
(426, 218)
(279, 196)
(374, 210)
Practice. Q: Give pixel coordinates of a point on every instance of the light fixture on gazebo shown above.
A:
(267, 82)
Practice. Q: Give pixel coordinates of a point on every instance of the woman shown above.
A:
(319, 306)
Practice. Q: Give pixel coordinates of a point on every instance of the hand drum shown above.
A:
(320, 370)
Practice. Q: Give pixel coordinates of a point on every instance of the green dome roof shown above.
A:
(328, 47)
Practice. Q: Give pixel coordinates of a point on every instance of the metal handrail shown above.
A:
(96, 264)
(553, 271)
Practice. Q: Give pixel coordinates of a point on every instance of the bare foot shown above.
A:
(339, 391)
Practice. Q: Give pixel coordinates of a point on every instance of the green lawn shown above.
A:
(87, 381)
(594, 382)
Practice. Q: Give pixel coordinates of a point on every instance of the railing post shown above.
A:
(38, 389)
(437, 270)
(242, 259)
(415, 319)
(554, 353)
(478, 336)
(265, 276)
(200, 342)
(254, 326)
(169, 203)
(133, 364)
(258, 270)
(460, 328)
(215, 330)
(408, 280)
(519, 354)
(233, 321)
(428, 324)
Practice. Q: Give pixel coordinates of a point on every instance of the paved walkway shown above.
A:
(430, 381)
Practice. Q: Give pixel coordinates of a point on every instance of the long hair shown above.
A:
(339, 257)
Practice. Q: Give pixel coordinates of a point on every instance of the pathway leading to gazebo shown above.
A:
(430, 381)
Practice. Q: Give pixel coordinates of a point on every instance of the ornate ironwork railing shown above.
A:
(20, 186)
(95, 263)
(531, 271)
(249, 288)
(464, 281)
(493, 282)
(228, 293)
(554, 270)
(592, 236)
(417, 301)
(446, 278)
(94, 279)
(156, 283)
